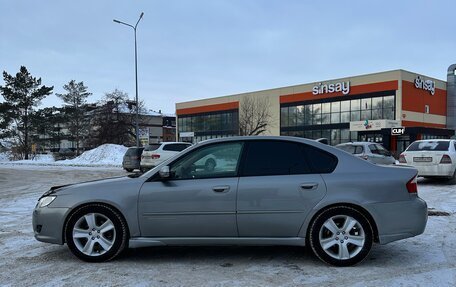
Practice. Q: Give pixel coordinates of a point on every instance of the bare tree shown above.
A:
(254, 116)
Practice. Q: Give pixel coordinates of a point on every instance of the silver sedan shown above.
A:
(262, 191)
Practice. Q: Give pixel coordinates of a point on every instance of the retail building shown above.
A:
(394, 108)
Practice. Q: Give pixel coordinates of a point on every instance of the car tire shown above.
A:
(209, 165)
(96, 233)
(341, 236)
(129, 169)
(452, 180)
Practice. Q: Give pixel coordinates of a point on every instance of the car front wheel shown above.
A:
(96, 233)
(341, 236)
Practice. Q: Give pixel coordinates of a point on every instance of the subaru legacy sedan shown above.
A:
(303, 193)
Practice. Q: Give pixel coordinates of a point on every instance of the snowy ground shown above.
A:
(428, 259)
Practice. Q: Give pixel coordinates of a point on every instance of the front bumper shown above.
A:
(48, 224)
(399, 220)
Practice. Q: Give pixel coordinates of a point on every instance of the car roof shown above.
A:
(433, 140)
(358, 143)
(173, 143)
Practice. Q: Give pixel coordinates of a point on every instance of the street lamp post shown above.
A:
(136, 73)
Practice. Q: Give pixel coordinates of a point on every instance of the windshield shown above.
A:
(429, 145)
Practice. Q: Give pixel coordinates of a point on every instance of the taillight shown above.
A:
(412, 185)
(445, 159)
(155, 156)
(402, 159)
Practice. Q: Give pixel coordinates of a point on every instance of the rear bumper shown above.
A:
(444, 170)
(399, 220)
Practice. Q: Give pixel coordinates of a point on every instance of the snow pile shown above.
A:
(104, 155)
(4, 156)
(107, 154)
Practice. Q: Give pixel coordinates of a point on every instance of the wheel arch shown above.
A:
(359, 208)
(76, 208)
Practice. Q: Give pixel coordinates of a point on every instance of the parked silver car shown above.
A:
(369, 151)
(303, 192)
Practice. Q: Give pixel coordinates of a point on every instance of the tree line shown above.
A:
(22, 123)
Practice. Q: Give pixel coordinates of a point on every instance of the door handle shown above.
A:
(309, 186)
(221, 188)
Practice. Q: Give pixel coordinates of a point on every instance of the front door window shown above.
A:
(218, 160)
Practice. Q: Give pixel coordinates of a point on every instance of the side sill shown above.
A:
(138, 242)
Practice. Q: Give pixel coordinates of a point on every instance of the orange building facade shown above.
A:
(393, 108)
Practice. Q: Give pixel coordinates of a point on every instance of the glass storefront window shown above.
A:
(300, 116)
(326, 108)
(366, 115)
(284, 117)
(377, 103)
(355, 116)
(388, 113)
(388, 102)
(377, 114)
(325, 119)
(355, 105)
(345, 106)
(335, 107)
(345, 117)
(366, 104)
(292, 116)
(335, 118)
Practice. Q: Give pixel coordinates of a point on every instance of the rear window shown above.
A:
(429, 145)
(353, 149)
(152, 147)
(175, 147)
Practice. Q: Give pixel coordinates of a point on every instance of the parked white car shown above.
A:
(432, 158)
(154, 154)
(369, 151)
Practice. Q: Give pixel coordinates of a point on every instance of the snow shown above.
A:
(104, 155)
(425, 260)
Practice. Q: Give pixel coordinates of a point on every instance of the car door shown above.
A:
(277, 189)
(193, 202)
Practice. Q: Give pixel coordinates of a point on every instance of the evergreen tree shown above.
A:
(22, 93)
(76, 101)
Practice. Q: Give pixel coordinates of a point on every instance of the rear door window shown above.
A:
(274, 158)
(429, 146)
(175, 147)
(320, 161)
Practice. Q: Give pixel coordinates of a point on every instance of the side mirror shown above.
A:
(164, 172)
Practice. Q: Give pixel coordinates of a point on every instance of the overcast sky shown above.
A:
(195, 49)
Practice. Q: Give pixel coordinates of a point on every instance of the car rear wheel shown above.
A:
(452, 180)
(341, 236)
(96, 233)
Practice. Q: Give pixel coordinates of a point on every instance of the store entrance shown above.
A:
(402, 142)
(371, 137)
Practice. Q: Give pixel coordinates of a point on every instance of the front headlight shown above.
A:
(45, 201)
